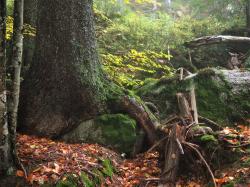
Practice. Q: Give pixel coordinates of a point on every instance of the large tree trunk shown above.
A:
(5, 154)
(30, 18)
(65, 82)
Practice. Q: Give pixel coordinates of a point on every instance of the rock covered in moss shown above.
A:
(222, 95)
(117, 131)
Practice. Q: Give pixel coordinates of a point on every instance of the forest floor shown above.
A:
(48, 161)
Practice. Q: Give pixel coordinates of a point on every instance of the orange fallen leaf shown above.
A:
(19, 173)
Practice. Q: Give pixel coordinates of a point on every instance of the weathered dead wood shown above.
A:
(183, 106)
(139, 113)
(203, 160)
(157, 144)
(209, 122)
(172, 156)
(207, 40)
(193, 105)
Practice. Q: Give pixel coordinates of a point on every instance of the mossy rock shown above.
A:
(117, 131)
(220, 96)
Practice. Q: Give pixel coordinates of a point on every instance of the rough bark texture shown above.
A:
(30, 18)
(65, 82)
(5, 156)
(172, 156)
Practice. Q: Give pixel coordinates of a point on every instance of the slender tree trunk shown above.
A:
(30, 18)
(17, 50)
(248, 14)
(5, 154)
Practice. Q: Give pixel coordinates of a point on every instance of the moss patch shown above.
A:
(208, 138)
(118, 130)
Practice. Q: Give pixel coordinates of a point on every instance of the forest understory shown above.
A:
(124, 93)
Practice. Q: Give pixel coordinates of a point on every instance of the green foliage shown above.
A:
(86, 181)
(132, 29)
(68, 181)
(108, 169)
(28, 29)
(131, 69)
(72, 180)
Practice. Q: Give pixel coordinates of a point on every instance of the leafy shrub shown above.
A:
(131, 69)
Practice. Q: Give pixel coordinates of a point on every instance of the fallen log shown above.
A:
(207, 40)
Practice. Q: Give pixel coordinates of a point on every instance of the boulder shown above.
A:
(117, 131)
(222, 95)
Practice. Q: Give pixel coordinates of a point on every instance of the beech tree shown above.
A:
(8, 156)
(5, 158)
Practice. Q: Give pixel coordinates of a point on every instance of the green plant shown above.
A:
(131, 69)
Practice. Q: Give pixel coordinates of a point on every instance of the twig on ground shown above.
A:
(241, 145)
(204, 161)
(157, 144)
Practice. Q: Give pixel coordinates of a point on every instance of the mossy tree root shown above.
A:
(137, 111)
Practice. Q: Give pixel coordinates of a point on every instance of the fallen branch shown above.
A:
(204, 161)
(212, 124)
(207, 40)
(241, 145)
(157, 144)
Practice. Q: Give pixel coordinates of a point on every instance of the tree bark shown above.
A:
(248, 14)
(207, 40)
(30, 18)
(5, 153)
(13, 97)
(65, 84)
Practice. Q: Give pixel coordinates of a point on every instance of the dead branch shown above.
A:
(210, 123)
(241, 145)
(207, 40)
(202, 158)
(157, 144)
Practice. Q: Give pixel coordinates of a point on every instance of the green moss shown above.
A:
(208, 138)
(118, 130)
(212, 94)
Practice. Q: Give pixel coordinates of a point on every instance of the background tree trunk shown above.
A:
(30, 18)
(248, 14)
(65, 82)
(5, 154)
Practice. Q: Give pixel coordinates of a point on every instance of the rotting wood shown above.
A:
(183, 106)
(172, 157)
(193, 104)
